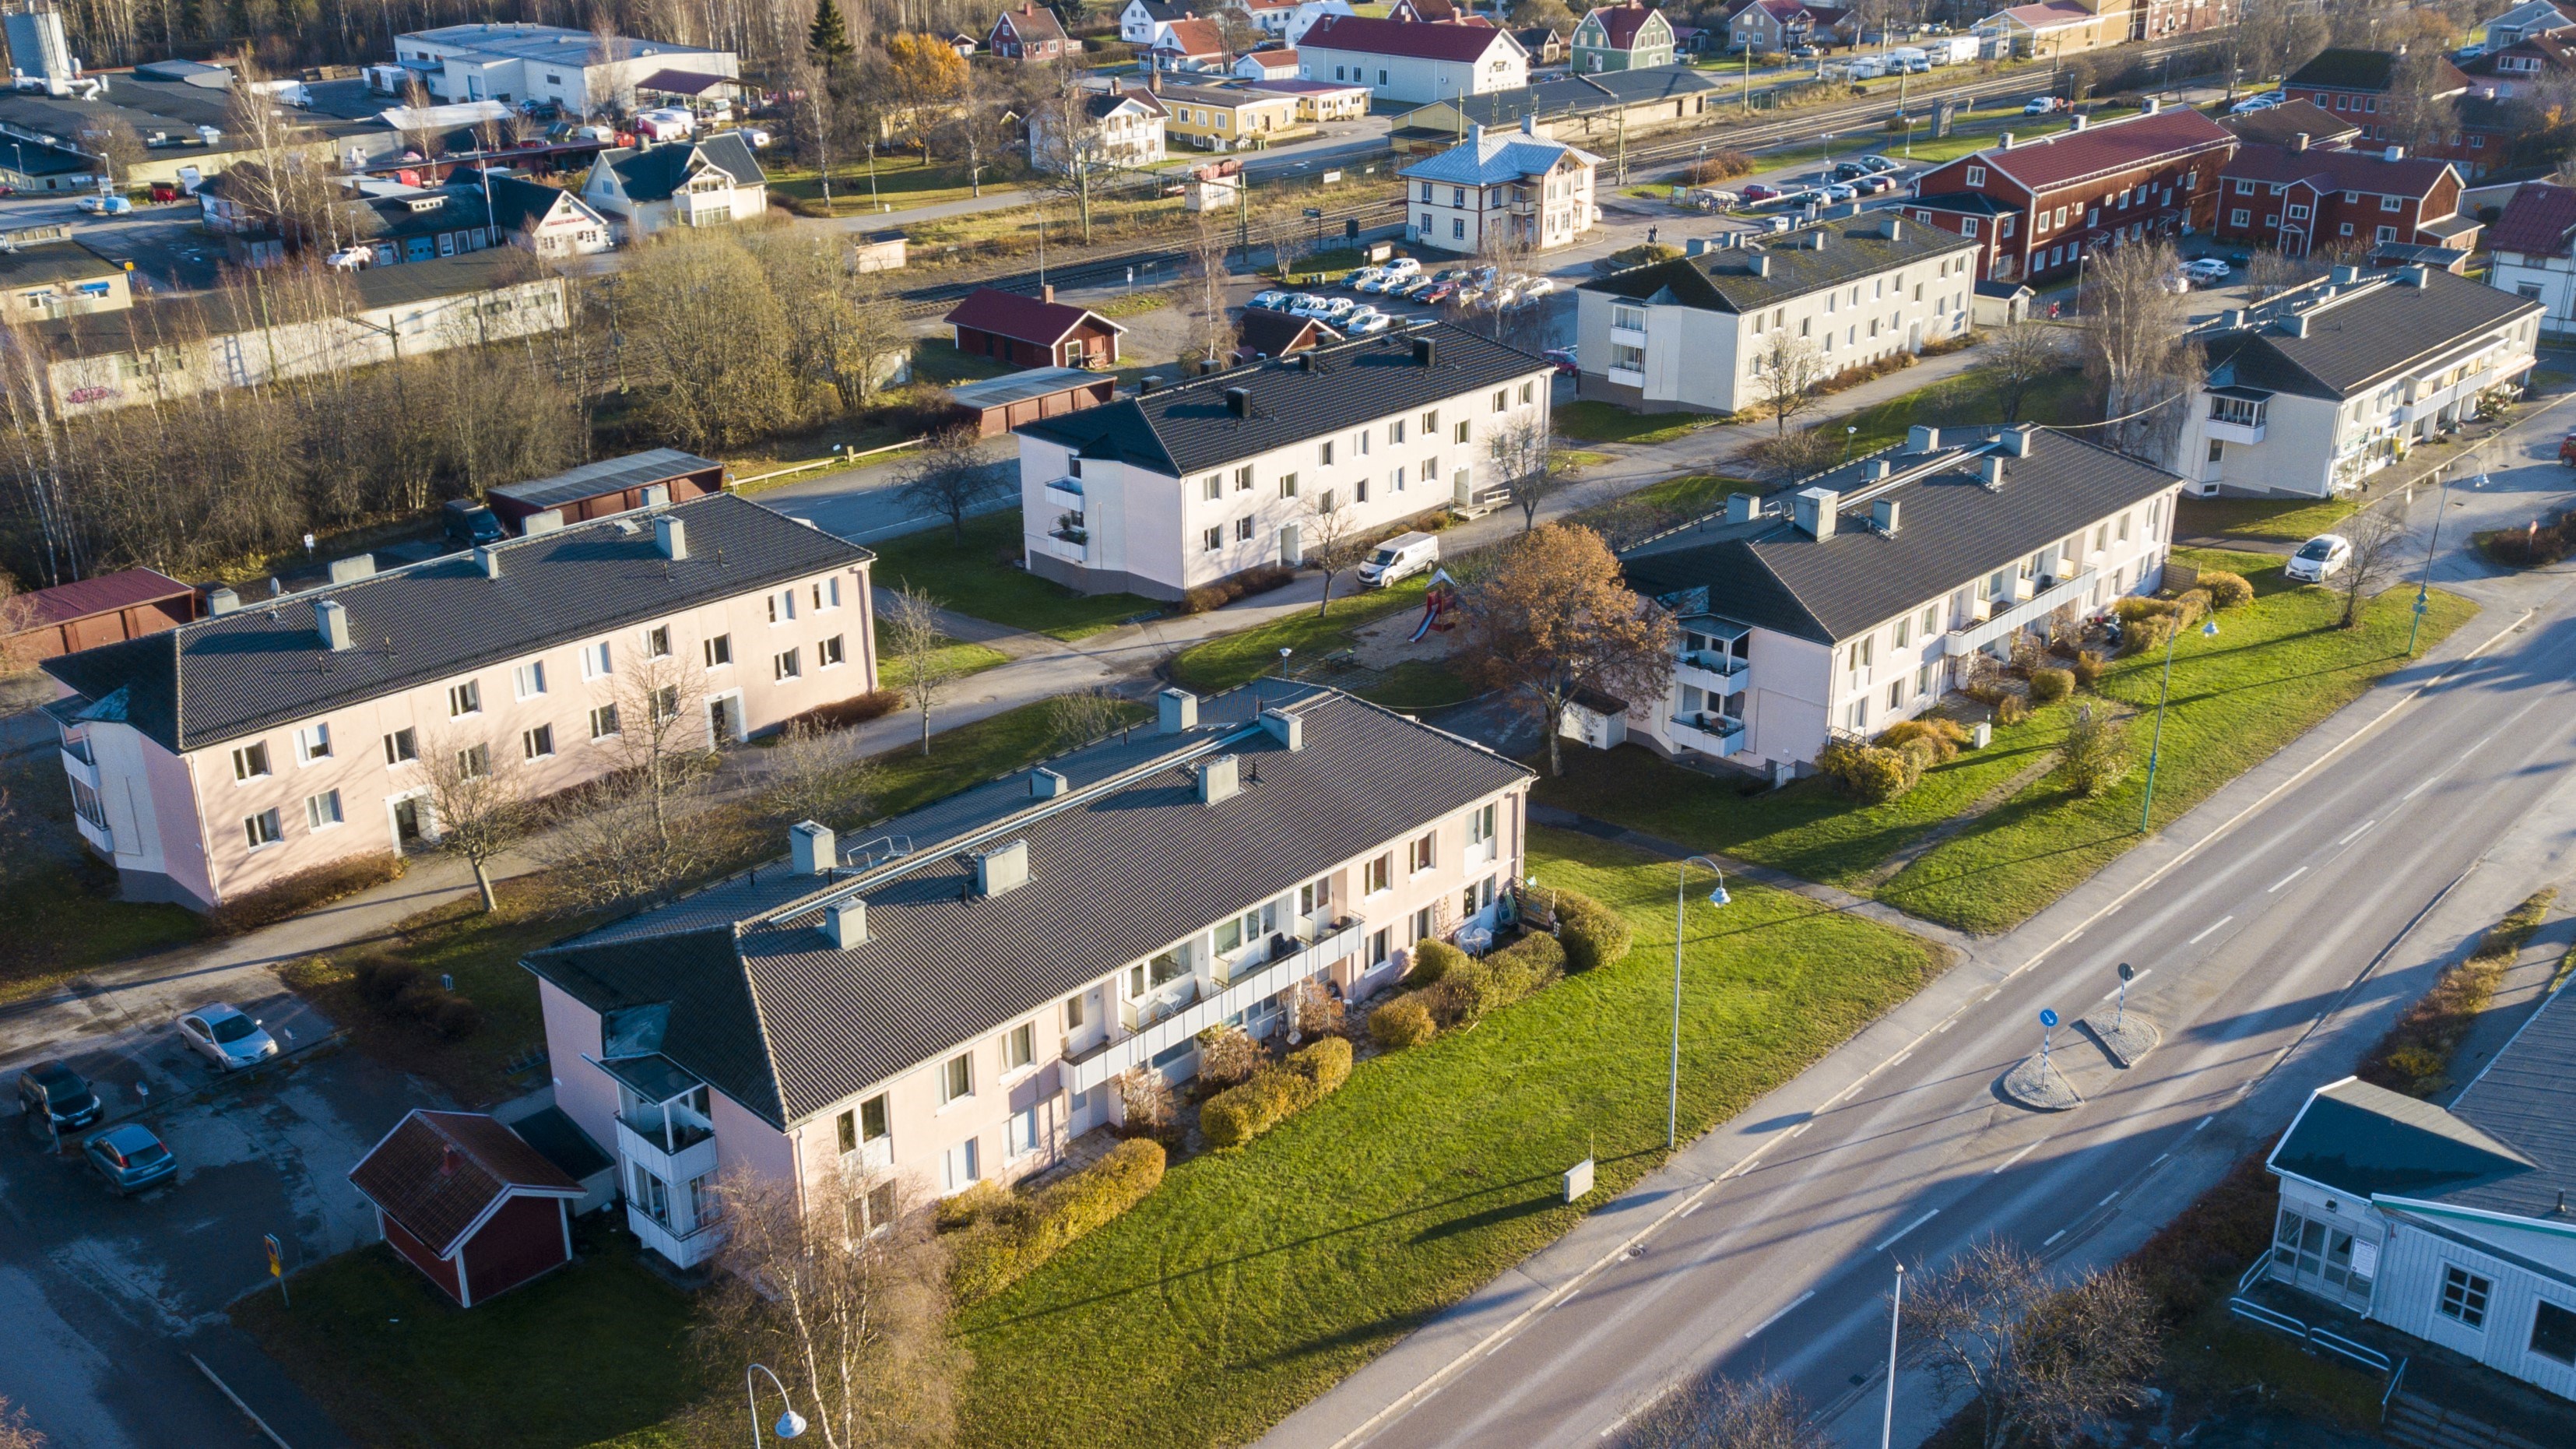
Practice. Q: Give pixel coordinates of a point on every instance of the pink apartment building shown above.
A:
(222, 755)
(949, 1000)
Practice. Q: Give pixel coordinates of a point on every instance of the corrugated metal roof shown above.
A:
(608, 475)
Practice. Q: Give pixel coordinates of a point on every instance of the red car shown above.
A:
(1759, 192)
(2567, 450)
(1563, 357)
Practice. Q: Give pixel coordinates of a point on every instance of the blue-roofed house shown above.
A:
(1497, 187)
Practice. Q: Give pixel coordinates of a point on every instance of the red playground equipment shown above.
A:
(1439, 606)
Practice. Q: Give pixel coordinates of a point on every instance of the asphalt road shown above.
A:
(2250, 950)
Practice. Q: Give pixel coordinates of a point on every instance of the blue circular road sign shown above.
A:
(2047, 1016)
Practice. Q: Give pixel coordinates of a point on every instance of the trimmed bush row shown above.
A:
(1452, 990)
(841, 714)
(294, 894)
(999, 1236)
(1260, 579)
(1236, 1115)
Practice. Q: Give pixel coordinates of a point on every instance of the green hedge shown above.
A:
(1236, 1115)
(1010, 1240)
(1432, 960)
(1593, 934)
(1401, 1023)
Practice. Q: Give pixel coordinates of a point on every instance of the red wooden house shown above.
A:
(2300, 198)
(2040, 206)
(1030, 32)
(468, 1202)
(89, 612)
(1034, 331)
(651, 478)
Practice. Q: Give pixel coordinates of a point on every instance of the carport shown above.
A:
(1000, 404)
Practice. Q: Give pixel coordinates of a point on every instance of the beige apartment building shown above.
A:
(950, 1000)
(282, 734)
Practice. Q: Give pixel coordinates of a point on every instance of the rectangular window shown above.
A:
(1072, 1013)
(466, 698)
(958, 1167)
(2553, 1332)
(1323, 456)
(1288, 483)
(956, 1078)
(1024, 1132)
(1243, 528)
(2464, 1297)
(1461, 434)
(1422, 924)
(785, 665)
(827, 593)
(1379, 944)
(1213, 539)
(1243, 479)
(657, 642)
(718, 650)
(1019, 1046)
(1423, 854)
(1212, 487)
(537, 743)
(261, 829)
(831, 652)
(401, 745)
(250, 762)
(1431, 423)
(1378, 875)
(322, 811)
(603, 721)
(782, 606)
(474, 762)
(313, 742)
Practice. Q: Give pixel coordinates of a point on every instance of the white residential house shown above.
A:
(2523, 21)
(1266, 65)
(1505, 187)
(1872, 593)
(1412, 61)
(548, 220)
(1181, 486)
(2531, 252)
(1140, 20)
(1692, 334)
(2325, 384)
(714, 181)
(514, 62)
(1122, 125)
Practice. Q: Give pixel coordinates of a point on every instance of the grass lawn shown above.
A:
(1575, 460)
(900, 183)
(1965, 398)
(1247, 654)
(63, 916)
(1251, 1281)
(2283, 520)
(1134, 303)
(1601, 422)
(973, 579)
(941, 365)
(962, 656)
(969, 755)
(593, 1353)
(2277, 668)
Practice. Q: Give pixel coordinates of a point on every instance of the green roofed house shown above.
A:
(1622, 37)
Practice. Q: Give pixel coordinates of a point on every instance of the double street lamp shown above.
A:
(1681, 891)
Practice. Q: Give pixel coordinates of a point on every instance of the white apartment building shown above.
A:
(1159, 493)
(877, 1005)
(1412, 61)
(2326, 384)
(1869, 597)
(1690, 334)
(1515, 188)
(516, 61)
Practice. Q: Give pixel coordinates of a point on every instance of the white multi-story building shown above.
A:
(1413, 61)
(2325, 384)
(515, 61)
(1702, 332)
(1160, 493)
(1118, 124)
(1515, 188)
(1873, 592)
(2531, 252)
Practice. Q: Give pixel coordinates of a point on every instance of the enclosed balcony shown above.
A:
(2236, 415)
(1173, 1027)
(1064, 493)
(1715, 735)
(663, 1117)
(2034, 605)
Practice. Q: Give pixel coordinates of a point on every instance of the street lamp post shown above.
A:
(790, 1423)
(1895, 1315)
(2424, 580)
(1673, 1083)
(2155, 747)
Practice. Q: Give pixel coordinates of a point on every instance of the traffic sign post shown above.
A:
(2047, 1024)
(2127, 973)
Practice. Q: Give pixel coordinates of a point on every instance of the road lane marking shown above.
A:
(1783, 1313)
(1694, 1207)
(2106, 1202)
(2016, 1157)
(2205, 1121)
(2212, 926)
(1945, 1026)
(1899, 1057)
(2418, 790)
(2134, 980)
(2053, 1237)
(2356, 830)
(1909, 1227)
(2285, 880)
(2160, 1158)
(1801, 1127)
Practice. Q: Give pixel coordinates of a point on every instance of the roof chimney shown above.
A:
(1176, 710)
(1529, 124)
(1882, 516)
(1990, 476)
(2396, 153)
(1288, 729)
(1875, 469)
(2299, 142)
(1816, 238)
(488, 559)
(1001, 868)
(671, 537)
(1743, 507)
(2154, 105)
(2345, 276)
(1814, 510)
(1694, 246)
(355, 567)
(1920, 439)
(2078, 123)
(2418, 277)
(1238, 402)
(2005, 142)
(846, 922)
(1045, 784)
(449, 1160)
(1892, 227)
(811, 849)
(1760, 264)
(2295, 324)
(1425, 353)
(222, 601)
(1217, 780)
(2016, 440)
(2232, 318)
(333, 622)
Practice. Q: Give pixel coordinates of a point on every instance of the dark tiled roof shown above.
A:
(1582, 95)
(1950, 530)
(2537, 221)
(2363, 1139)
(262, 666)
(2347, 70)
(1189, 427)
(2521, 1099)
(653, 173)
(34, 266)
(519, 204)
(2332, 168)
(560, 1140)
(2277, 125)
(1965, 203)
(1722, 280)
(1025, 318)
(608, 475)
(777, 1018)
(2139, 141)
(437, 1172)
(102, 595)
(1414, 40)
(2359, 339)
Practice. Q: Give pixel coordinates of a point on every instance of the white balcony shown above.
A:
(685, 1250)
(2024, 588)
(1966, 640)
(78, 764)
(1077, 549)
(1065, 493)
(2221, 430)
(1628, 336)
(1713, 735)
(100, 838)
(1238, 994)
(691, 1153)
(1626, 376)
(1719, 674)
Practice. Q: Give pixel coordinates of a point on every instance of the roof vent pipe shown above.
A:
(1882, 516)
(1218, 780)
(1288, 729)
(846, 922)
(811, 849)
(1238, 402)
(1425, 352)
(1046, 784)
(1176, 710)
(332, 621)
(670, 537)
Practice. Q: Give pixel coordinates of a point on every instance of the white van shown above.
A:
(1400, 557)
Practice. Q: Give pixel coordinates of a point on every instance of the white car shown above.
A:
(758, 136)
(1331, 309)
(2250, 105)
(350, 259)
(1364, 322)
(1360, 279)
(2177, 284)
(2319, 559)
(1404, 267)
(1503, 295)
(1381, 283)
(223, 1035)
(2208, 271)
(1538, 287)
(2041, 105)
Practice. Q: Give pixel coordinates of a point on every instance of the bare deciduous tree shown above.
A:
(2376, 535)
(1549, 618)
(842, 1289)
(1524, 460)
(477, 799)
(949, 478)
(2136, 345)
(2042, 1360)
(15, 1431)
(1212, 333)
(1075, 720)
(602, 848)
(659, 732)
(813, 773)
(1786, 372)
(915, 643)
(1331, 539)
(1716, 1412)
(2017, 358)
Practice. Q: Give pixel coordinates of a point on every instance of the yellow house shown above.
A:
(1216, 118)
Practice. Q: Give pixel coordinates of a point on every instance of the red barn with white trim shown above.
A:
(468, 1202)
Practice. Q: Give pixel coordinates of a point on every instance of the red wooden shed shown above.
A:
(68, 618)
(611, 485)
(468, 1202)
(1034, 331)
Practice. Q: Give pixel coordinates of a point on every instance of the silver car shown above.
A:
(223, 1035)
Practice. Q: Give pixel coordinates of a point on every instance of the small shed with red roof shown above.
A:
(86, 613)
(468, 1202)
(1034, 331)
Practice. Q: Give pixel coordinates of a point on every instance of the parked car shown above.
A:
(1467, 294)
(2567, 449)
(1400, 557)
(1564, 358)
(226, 1036)
(1333, 309)
(1414, 290)
(1759, 192)
(1449, 274)
(1879, 163)
(1802, 52)
(350, 259)
(1504, 294)
(1845, 171)
(2250, 105)
(130, 1157)
(1364, 322)
(2319, 559)
(52, 1094)
(164, 191)
(469, 524)
(1405, 267)
(2043, 105)
(1440, 291)
(1875, 185)
(106, 205)
(1538, 287)
(2208, 271)
(2177, 284)
(1841, 191)
(1359, 280)
(1269, 301)
(758, 136)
